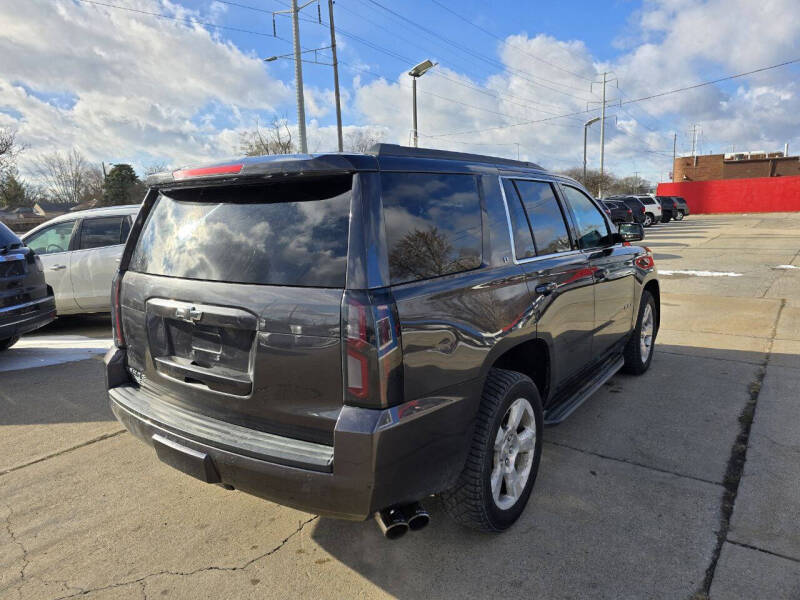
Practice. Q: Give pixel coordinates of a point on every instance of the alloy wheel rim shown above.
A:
(646, 333)
(514, 449)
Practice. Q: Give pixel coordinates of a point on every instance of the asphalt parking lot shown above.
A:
(674, 484)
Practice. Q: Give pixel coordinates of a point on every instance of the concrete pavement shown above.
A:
(641, 493)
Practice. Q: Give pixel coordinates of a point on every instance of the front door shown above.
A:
(613, 272)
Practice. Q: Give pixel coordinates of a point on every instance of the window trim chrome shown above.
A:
(522, 261)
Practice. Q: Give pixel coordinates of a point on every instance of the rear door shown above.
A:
(95, 260)
(612, 268)
(52, 244)
(558, 274)
(231, 303)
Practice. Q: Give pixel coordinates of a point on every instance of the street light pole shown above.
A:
(415, 73)
(336, 78)
(585, 130)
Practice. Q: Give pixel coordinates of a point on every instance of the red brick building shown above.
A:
(743, 165)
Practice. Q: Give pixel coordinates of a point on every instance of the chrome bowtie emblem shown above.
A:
(191, 315)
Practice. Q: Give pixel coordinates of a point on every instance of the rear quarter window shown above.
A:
(433, 224)
(288, 233)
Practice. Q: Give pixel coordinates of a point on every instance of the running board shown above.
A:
(561, 411)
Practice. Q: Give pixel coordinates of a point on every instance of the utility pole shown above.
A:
(414, 111)
(694, 138)
(336, 78)
(298, 78)
(605, 82)
(585, 131)
(674, 147)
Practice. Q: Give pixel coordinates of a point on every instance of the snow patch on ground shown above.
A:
(47, 350)
(699, 273)
(786, 267)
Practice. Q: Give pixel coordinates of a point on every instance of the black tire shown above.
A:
(7, 343)
(648, 220)
(635, 363)
(470, 501)
(665, 218)
(679, 216)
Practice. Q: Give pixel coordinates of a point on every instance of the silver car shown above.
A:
(80, 252)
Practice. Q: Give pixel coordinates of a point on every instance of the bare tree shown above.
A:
(362, 140)
(156, 167)
(69, 177)
(9, 149)
(274, 139)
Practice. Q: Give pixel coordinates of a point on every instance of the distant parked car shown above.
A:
(681, 208)
(652, 209)
(618, 211)
(669, 208)
(26, 301)
(81, 252)
(637, 207)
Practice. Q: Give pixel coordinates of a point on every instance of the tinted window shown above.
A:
(647, 200)
(592, 227)
(523, 239)
(7, 237)
(545, 216)
(51, 239)
(433, 224)
(126, 229)
(96, 233)
(289, 233)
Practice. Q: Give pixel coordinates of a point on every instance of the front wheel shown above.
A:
(7, 343)
(679, 216)
(493, 489)
(648, 220)
(638, 352)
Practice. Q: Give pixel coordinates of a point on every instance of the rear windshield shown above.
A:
(289, 233)
(7, 237)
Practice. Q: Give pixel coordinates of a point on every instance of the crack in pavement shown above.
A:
(141, 580)
(15, 540)
(627, 461)
(770, 552)
(94, 440)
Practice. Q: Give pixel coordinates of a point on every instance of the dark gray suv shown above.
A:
(350, 333)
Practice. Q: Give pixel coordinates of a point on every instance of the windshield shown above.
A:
(292, 233)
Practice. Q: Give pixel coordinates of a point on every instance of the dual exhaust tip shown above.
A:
(396, 521)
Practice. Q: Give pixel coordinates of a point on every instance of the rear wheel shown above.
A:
(639, 349)
(665, 218)
(679, 216)
(494, 487)
(7, 343)
(648, 220)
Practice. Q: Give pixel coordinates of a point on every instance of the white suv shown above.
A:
(652, 209)
(81, 252)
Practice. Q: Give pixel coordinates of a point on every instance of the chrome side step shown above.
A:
(561, 411)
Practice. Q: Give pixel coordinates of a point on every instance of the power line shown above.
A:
(643, 98)
(507, 43)
(187, 20)
(437, 36)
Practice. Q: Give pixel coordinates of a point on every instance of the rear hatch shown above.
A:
(231, 303)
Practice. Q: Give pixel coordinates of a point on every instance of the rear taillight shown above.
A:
(642, 209)
(373, 360)
(116, 311)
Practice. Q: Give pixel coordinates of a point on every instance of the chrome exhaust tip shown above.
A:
(416, 516)
(392, 522)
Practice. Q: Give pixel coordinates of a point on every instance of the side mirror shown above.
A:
(631, 232)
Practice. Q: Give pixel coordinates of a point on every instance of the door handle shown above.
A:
(600, 274)
(58, 267)
(545, 289)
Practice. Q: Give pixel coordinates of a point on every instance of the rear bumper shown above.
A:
(379, 457)
(21, 319)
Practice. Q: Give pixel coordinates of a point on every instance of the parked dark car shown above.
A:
(26, 301)
(619, 211)
(681, 208)
(669, 208)
(350, 333)
(637, 208)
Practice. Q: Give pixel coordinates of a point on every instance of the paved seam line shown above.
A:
(140, 580)
(757, 549)
(738, 457)
(694, 355)
(631, 462)
(100, 438)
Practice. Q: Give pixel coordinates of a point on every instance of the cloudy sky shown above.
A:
(162, 81)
